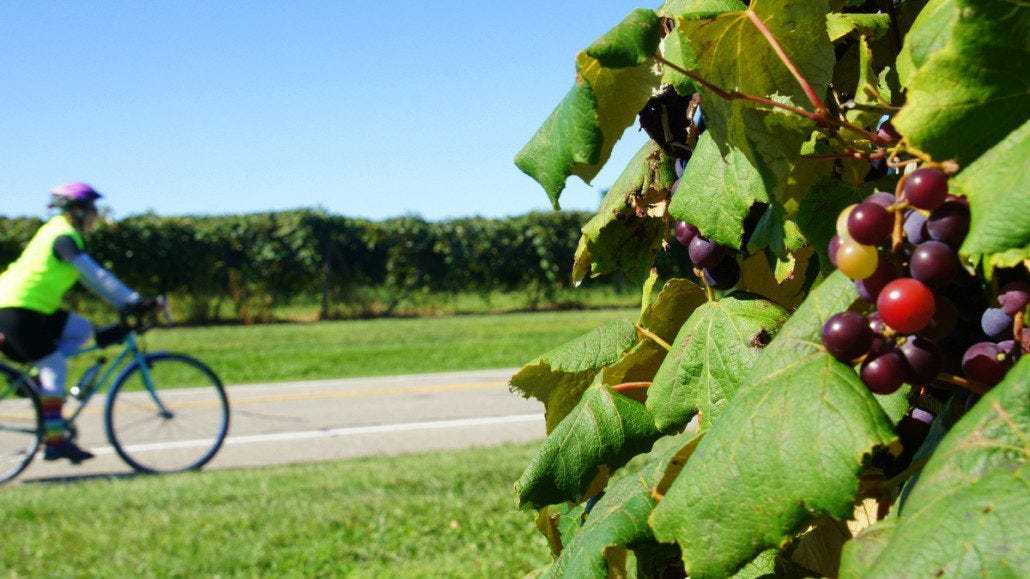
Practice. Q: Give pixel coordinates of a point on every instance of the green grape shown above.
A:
(842, 222)
(857, 261)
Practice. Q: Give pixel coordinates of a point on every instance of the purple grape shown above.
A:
(834, 246)
(724, 275)
(881, 198)
(869, 288)
(876, 323)
(869, 223)
(885, 374)
(985, 362)
(705, 252)
(1008, 348)
(949, 224)
(926, 188)
(913, 429)
(996, 324)
(847, 336)
(915, 227)
(685, 232)
(924, 359)
(680, 166)
(888, 133)
(933, 263)
(1014, 297)
(944, 320)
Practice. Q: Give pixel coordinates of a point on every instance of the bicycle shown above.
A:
(165, 412)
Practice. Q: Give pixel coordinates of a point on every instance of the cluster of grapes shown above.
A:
(717, 262)
(910, 279)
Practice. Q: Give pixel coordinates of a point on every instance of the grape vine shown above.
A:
(839, 384)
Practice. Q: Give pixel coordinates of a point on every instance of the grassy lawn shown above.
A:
(444, 514)
(305, 351)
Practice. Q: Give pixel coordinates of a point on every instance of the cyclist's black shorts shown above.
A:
(30, 335)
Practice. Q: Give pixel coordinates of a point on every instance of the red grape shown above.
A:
(885, 374)
(906, 305)
(847, 336)
(933, 263)
(888, 133)
(869, 223)
(926, 188)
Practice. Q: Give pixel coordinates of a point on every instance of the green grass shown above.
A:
(444, 514)
(305, 351)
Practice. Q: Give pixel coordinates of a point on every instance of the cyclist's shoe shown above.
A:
(66, 449)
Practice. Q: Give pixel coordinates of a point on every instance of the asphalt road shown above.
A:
(324, 420)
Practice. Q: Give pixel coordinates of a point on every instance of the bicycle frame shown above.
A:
(130, 355)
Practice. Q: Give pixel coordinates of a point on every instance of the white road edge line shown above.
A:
(331, 433)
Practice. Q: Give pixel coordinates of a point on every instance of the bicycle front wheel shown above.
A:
(168, 415)
(21, 422)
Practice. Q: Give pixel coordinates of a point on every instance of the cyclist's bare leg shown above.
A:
(53, 374)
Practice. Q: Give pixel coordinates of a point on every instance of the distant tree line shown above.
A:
(258, 261)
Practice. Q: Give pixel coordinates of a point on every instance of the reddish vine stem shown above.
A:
(817, 103)
(822, 118)
(877, 154)
(630, 386)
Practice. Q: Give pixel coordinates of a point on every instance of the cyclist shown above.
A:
(34, 327)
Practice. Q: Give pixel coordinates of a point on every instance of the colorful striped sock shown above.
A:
(53, 422)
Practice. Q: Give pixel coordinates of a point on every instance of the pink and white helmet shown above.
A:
(73, 194)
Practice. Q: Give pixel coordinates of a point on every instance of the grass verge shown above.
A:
(295, 351)
(441, 514)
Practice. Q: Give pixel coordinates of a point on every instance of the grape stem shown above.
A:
(708, 289)
(817, 117)
(898, 235)
(974, 387)
(653, 337)
(1018, 323)
(849, 154)
(630, 386)
(817, 103)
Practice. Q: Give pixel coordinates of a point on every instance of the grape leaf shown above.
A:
(677, 300)
(869, 86)
(929, 33)
(839, 25)
(698, 8)
(713, 352)
(732, 179)
(998, 187)
(559, 377)
(785, 451)
(967, 514)
(631, 225)
(732, 53)
(603, 431)
(979, 78)
(758, 277)
(620, 517)
(614, 79)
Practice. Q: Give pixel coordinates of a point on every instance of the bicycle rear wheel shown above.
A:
(169, 416)
(21, 422)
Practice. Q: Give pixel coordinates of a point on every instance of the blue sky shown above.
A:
(366, 109)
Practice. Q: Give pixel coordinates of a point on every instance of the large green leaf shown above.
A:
(620, 517)
(732, 53)
(839, 25)
(716, 192)
(712, 354)
(559, 377)
(603, 431)
(972, 91)
(998, 187)
(631, 225)
(663, 318)
(929, 33)
(967, 515)
(614, 79)
(786, 450)
(698, 8)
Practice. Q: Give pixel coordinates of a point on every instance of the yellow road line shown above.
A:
(238, 400)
